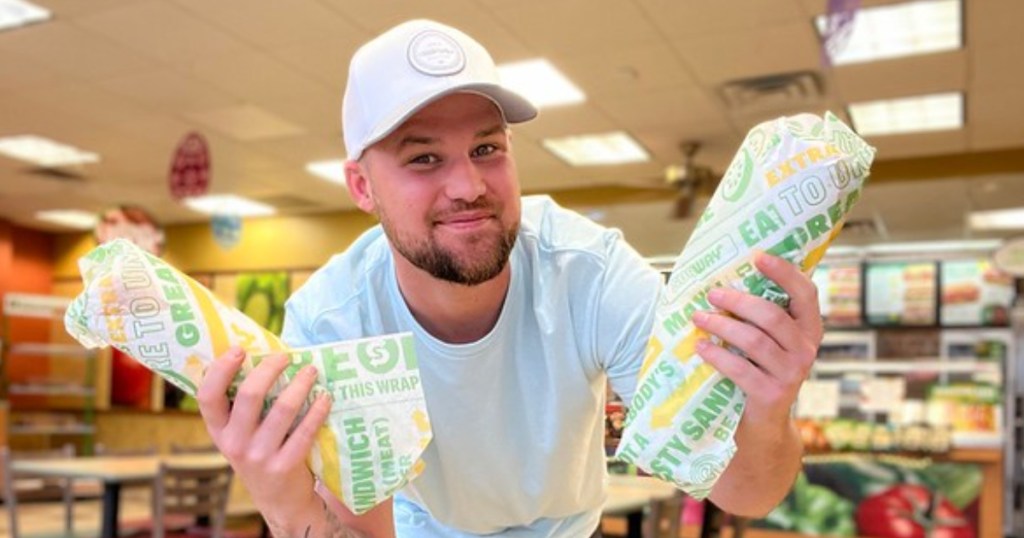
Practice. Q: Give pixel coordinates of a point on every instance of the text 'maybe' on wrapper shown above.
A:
(378, 425)
(787, 192)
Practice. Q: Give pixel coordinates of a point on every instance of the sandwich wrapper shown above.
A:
(369, 447)
(787, 192)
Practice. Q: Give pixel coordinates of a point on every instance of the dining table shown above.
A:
(113, 472)
(629, 495)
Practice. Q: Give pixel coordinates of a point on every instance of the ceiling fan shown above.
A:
(690, 180)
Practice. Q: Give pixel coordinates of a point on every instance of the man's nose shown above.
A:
(465, 181)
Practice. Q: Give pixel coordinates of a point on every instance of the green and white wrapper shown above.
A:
(787, 192)
(378, 427)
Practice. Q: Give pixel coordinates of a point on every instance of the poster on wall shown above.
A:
(261, 296)
(974, 292)
(839, 290)
(899, 293)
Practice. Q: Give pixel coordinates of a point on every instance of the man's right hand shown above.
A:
(268, 459)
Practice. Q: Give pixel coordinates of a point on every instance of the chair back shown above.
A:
(197, 491)
(26, 485)
(665, 517)
(103, 450)
(193, 449)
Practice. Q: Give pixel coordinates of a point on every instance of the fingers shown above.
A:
(282, 415)
(753, 342)
(766, 315)
(212, 395)
(300, 442)
(802, 292)
(746, 376)
(245, 414)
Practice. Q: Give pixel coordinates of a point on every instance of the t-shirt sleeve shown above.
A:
(626, 302)
(296, 331)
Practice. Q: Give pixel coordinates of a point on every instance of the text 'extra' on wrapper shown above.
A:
(378, 426)
(787, 192)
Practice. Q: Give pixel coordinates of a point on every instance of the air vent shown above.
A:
(865, 228)
(287, 202)
(784, 91)
(58, 174)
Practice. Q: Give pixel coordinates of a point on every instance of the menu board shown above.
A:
(899, 293)
(839, 290)
(975, 293)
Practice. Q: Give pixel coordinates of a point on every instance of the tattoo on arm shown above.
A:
(332, 528)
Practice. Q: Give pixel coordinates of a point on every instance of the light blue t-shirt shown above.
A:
(518, 416)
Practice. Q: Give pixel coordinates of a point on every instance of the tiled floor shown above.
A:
(47, 518)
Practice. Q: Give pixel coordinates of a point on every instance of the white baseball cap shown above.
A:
(409, 66)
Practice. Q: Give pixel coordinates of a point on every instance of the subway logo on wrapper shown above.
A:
(787, 192)
(378, 426)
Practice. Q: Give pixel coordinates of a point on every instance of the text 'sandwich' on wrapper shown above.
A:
(370, 445)
(787, 192)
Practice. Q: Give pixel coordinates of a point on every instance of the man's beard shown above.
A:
(441, 263)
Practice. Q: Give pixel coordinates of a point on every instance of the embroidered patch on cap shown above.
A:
(434, 53)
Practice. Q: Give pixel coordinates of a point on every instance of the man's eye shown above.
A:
(424, 159)
(484, 149)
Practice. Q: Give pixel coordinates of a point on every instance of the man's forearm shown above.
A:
(321, 523)
(764, 468)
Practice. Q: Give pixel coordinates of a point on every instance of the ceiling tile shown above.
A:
(995, 118)
(255, 76)
(324, 60)
(919, 145)
(560, 26)
(162, 31)
(682, 107)
(68, 50)
(627, 70)
(268, 24)
(168, 90)
(917, 75)
(246, 122)
(684, 20)
(20, 72)
(992, 67)
(993, 22)
(766, 50)
(567, 120)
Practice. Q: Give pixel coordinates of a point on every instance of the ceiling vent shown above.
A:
(865, 228)
(783, 91)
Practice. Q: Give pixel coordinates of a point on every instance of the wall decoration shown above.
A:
(261, 296)
(190, 167)
(227, 230)
(132, 223)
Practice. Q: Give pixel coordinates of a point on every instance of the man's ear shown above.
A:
(359, 187)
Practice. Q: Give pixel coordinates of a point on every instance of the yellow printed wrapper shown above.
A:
(787, 192)
(378, 427)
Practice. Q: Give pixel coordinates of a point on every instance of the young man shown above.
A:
(521, 311)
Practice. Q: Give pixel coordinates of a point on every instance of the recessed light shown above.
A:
(904, 29)
(601, 149)
(540, 83)
(17, 13)
(999, 219)
(44, 152)
(923, 113)
(332, 170)
(228, 204)
(71, 218)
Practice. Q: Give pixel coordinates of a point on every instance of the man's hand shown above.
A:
(781, 346)
(269, 461)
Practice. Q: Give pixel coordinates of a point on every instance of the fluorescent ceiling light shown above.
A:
(332, 170)
(540, 83)
(228, 204)
(44, 152)
(15, 13)
(934, 247)
(904, 29)
(1000, 219)
(71, 218)
(937, 112)
(603, 149)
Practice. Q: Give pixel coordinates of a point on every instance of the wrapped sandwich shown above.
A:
(787, 192)
(378, 427)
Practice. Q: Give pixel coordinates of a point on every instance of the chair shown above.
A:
(192, 491)
(664, 517)
(29, 486)
(192, 449)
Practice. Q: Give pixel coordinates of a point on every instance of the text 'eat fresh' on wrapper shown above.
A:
(787, 192)
(378, 426)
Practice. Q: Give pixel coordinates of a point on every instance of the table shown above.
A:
(628, 496)
(113, 471)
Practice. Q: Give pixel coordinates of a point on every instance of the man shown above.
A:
(521, 312)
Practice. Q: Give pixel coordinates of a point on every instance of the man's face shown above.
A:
(444, 187)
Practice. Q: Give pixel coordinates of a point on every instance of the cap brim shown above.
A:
(514, 108)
